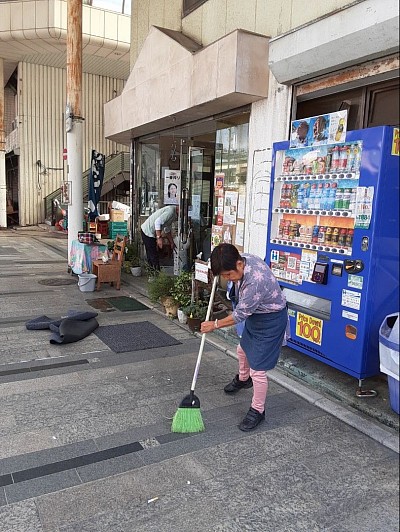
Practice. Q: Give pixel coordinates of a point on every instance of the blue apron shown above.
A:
(263, 337)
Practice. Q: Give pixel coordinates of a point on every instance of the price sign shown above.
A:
(309, 328)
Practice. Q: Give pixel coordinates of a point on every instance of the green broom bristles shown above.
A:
(187, 420)
(188, 416)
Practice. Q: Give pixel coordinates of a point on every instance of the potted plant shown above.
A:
(196, 313)
(159, 289)
(182, 293)
(132, 261)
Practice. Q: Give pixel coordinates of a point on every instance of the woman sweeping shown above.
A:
(258, 302)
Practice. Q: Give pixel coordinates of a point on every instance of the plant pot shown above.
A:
(136, 271)
(170, 306)
(182, 316)
(194, 324)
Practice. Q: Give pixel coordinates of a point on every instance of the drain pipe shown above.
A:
(3, 188)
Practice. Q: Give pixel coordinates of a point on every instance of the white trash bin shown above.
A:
(389, 356)
(87, 282)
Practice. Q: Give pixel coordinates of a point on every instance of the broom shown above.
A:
(188, 416)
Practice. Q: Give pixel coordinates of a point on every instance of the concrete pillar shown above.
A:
(73, 118)
(3, 188)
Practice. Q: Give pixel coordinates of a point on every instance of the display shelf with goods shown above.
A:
(314, 198)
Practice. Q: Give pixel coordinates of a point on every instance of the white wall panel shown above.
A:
(42, 96)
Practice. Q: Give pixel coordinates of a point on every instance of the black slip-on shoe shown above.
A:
(251, 420)
(236, 385)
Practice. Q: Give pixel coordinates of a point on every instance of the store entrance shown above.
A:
(196, 213)
(181, 166)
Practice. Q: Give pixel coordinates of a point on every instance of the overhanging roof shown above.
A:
(175, 81)
(352, 35)
(36, 32)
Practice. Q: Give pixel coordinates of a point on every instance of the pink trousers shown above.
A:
(260, 381)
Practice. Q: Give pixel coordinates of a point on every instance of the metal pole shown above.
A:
(73, 118)
(3, 188)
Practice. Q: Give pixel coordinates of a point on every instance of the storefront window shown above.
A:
(231, 156)
(149, 187)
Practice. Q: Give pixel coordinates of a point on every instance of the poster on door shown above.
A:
(230, 208)
(172, 186)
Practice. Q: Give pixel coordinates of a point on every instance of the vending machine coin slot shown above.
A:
(320, 273)
(353, 266)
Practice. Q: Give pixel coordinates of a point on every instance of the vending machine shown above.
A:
(333, 244)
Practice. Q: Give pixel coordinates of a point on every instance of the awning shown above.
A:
(351, 36)
(174, 81)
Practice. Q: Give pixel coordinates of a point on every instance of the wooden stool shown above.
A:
(107, 273)
(110, 272)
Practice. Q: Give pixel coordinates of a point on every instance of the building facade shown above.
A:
(33, 66)
(214, 83)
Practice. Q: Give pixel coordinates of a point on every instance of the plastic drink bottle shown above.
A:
(311, 198)
(318, 196)
(325, 196)
(332, 197)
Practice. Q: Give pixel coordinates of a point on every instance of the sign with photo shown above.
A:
(316, 130)
(172, 186)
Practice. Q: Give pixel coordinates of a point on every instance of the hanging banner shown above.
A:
(172, 186)
(96, 176)
(316, 130)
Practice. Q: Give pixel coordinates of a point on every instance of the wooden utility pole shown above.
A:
(3, 188)
(73, 118)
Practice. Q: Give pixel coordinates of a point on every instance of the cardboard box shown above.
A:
(116, 216)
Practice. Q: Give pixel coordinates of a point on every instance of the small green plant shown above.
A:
(182, 289)
(160, 287)
(132, 254)
(197, 309)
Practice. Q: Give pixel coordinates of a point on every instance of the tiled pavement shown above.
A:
(85, 441)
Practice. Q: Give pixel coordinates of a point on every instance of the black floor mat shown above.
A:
(134, 337)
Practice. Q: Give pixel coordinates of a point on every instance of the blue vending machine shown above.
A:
(333, 244)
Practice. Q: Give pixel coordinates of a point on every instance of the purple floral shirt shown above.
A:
(259, 291)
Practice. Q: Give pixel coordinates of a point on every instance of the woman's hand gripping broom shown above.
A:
(188, 416)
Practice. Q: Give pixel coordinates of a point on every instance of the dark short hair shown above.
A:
(224, 258)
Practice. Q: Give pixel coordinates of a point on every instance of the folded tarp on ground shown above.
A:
(75, 326)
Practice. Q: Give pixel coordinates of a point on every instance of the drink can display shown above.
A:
(288, 195)
(353, 197)
(357, 158)
(332, 197)
(321, 234)
(339, 199)
(294, 231)
(343, 158)
(308, 233)
(283, 196)
(342, 237)
(293, 196)
(306, 195)
(311, 197)
(286, 225)
(300, 196)
(335, 159)
(321, 165)
(315, 233)
(325, 196)
(349, 238)
(328, 160)
(351, 158)
(335, 235)
(318, 196)
(280, 228)
(346, 198)
(328, 235)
